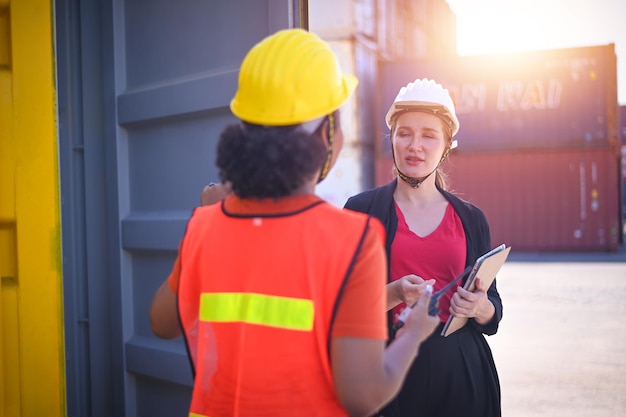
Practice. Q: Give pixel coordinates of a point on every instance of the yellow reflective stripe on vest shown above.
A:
(265, 310)
(196, 415)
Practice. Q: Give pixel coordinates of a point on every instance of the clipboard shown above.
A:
(486, 267)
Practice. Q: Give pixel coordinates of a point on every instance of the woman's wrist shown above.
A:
(486, 312)
(393, 296)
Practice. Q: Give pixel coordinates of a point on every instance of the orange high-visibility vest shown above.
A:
(257, 298)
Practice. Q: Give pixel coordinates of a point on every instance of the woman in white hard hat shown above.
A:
(432, 236)
(280, 295)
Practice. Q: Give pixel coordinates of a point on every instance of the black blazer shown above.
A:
(378, 202)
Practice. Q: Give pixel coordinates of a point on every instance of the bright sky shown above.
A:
(494, 26)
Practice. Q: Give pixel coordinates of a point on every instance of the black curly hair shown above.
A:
(268, 162)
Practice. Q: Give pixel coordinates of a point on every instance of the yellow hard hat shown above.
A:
(289, 78)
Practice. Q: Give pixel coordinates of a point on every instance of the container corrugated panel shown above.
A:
(544, 201)
(622, 117)
(414, 29)
(622, 121)
(564, 200)
(345, 52)
(383, 170)
(347, 177)
(366, 65)
(623, 182)
(562, 98)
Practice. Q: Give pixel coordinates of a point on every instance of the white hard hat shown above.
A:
(425, 94)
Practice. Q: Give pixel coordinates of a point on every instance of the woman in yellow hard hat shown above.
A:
(431, 238)
(281, 296)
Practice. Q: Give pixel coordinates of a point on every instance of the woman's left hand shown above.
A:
(472, 304)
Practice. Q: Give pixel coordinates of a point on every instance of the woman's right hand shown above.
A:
(412, 287)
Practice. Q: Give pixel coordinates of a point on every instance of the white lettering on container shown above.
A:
(532, 95)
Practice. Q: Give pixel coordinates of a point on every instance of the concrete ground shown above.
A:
(561, 347)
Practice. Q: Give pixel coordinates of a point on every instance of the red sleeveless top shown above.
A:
(439, 255)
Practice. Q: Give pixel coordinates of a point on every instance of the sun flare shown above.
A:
(497, 26)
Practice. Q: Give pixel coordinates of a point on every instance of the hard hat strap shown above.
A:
(416, 182)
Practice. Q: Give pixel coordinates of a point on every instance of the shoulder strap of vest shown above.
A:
(347, 276)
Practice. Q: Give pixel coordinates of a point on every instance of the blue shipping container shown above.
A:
(563, 98)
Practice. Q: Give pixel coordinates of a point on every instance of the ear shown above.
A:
(323, 129)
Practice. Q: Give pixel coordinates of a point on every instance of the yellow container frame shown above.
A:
(32, 372)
